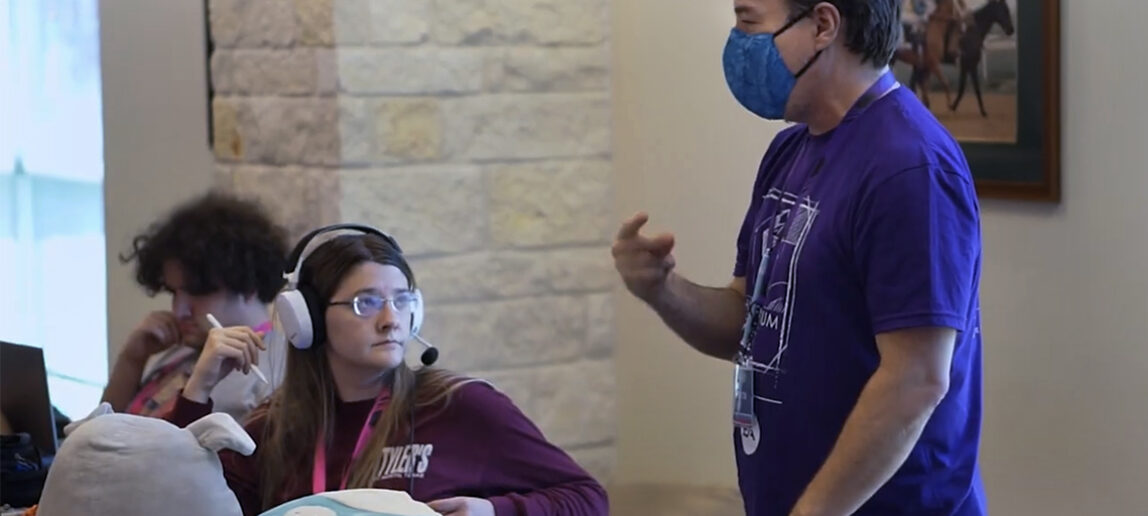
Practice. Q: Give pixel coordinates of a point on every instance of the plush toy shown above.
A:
(131, 465)
(354, 502)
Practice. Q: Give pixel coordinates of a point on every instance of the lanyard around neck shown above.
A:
(265, 327)
(884, 85)
(319, 469)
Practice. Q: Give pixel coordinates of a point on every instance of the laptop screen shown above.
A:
(24, 398)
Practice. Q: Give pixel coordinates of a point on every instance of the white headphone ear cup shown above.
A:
(417, 313)
(294, 317)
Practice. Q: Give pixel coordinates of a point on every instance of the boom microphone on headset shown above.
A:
(430, 354)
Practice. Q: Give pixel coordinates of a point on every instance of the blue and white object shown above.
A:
(354, 502)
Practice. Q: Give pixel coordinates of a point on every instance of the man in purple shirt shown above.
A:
(853, 314)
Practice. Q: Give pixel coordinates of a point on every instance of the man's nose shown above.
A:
(180, 304)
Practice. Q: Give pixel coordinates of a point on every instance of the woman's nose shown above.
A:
(387, 317)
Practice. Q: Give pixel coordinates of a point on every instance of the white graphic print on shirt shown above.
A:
(782, 236)
(397, 461)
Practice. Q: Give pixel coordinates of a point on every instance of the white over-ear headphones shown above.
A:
(300, 311)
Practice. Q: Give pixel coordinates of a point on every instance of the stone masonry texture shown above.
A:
(477, 132)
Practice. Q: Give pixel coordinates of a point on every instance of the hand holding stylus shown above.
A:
(215, 324)
(226, 350)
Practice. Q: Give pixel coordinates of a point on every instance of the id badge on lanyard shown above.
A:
(743, 393)
(743, 413)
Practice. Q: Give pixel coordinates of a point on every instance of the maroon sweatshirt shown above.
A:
(480, 446)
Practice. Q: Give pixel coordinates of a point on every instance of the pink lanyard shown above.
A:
(319, 471)
(262, 329)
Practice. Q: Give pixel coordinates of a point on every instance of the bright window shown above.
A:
(53, 289)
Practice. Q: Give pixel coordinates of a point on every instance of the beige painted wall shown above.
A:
(1064, 290)
(155, 133)
(686, 153)
(1066, 294)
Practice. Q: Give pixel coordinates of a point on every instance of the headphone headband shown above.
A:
(311, 240)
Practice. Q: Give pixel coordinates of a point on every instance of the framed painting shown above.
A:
(989, 70)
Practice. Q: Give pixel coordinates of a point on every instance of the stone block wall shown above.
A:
(478, 133)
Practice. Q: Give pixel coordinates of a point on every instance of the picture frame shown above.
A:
(1013, 143)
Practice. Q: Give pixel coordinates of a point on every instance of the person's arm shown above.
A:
(561, 486)
(709, 319)
(187, 411)
(238, 394)
(124, 382)
(157, 332)
(886, 423)
(917, 249)
(536, 477)
(226, 350)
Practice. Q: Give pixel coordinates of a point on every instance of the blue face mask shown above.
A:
(756, 74)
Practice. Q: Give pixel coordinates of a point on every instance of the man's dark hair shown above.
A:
(220, 242)
(872, 27)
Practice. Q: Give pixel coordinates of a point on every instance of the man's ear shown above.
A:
(828, 19)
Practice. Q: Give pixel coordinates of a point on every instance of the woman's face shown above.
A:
(370, 317)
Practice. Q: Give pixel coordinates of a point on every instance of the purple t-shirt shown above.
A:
(874, 227)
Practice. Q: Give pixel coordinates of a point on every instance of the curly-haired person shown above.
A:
(215, 254)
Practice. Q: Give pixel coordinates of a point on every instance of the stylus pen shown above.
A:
(215, 323)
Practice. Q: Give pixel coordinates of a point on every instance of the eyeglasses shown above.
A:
(367, 305)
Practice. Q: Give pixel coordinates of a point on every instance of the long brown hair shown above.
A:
(304, 405)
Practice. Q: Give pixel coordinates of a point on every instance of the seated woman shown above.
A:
(352, 414)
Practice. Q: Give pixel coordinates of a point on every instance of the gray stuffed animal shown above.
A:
(131, 465)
